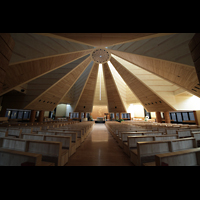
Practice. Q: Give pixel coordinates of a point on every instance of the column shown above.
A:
(6, 48)
(32, 117)
(167, 118)
(195, 117)
(41, 116)
(158, 117)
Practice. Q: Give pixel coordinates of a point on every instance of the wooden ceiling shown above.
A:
(46, 69)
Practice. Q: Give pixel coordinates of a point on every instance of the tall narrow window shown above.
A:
(100, 70)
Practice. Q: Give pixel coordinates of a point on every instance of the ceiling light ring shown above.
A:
(101, 55)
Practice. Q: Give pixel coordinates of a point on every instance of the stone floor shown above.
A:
(99, 149)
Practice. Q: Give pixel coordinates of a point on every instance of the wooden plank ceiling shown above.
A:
(46, 69)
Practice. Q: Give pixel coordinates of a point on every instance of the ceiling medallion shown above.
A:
(101, 55)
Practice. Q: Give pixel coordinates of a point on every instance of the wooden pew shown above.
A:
(10, 157)
(184, 133)
(65, 140)
(132, 140)
(124, 135)
(146, 151)
(189, 157)
(51, 151)
(75, 134)
(196, 135)
(3, 133)
(75, 143)
(14, 132)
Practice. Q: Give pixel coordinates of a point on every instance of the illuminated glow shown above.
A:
(100, 70)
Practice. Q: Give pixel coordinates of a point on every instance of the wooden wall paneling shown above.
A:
(86, 99)
(115, 103)
(103, 39)
(194, 46)
(151, 101)
(182, 75)
(6, 49)
(51, 97)
(21, 73)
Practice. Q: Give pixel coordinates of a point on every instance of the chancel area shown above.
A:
(134, 96)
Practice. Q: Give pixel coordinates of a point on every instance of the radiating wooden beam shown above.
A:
(49, 99)
(24, 72)
(86, 99)
(115, 103)
(151, 101)
(6, 49)
(103, 39)
(182, 75)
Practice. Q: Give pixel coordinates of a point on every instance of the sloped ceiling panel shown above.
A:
(40, 85)
(148, 98)
(74, 93)
(21, 73)
(115, 103)
(182, 75)
(85, 102)
(102, 39)
(51, 97)
(172, 47)
(31, 46)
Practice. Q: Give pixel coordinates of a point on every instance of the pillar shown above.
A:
(41, 116)
(6, 48)
(195, 117)
(32, 117)
(158, 117)
(167, 118)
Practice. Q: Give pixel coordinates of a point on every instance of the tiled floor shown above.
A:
(99, 149)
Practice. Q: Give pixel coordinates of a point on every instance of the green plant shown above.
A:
(121, 120)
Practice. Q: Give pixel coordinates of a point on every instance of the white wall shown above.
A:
(46, 113)
(61, 110)
(68, 109)
(136, 110)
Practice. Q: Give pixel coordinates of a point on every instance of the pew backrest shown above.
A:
(45, 132)
(196, 135)
(166, 137)
(189, 157)
(27, 130)
(3, 133)
(183, 133)
(132, 140)
(65, 140)
(73, 135)
(16, 158)
(14, 132)
(185, 143)
(32, 136)
(46, 148)
(17, 144)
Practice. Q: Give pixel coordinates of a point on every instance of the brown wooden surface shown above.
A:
(151, 101)
(115, 103)
(86, 99)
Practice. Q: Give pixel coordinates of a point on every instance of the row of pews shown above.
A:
(158, 144)
(41, 144)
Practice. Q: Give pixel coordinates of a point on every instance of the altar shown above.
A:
(100, 120)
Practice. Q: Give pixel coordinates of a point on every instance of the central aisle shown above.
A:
(99, 149)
